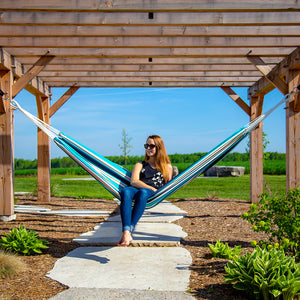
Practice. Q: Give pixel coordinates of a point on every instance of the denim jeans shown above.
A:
(131, 215)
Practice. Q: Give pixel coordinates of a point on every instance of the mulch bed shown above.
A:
(206, 222)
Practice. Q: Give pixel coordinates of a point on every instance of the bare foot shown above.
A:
(126, 239)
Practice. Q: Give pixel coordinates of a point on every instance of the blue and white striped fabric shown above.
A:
(114, 177)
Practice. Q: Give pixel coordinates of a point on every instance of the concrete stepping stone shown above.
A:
(159, 269)
(151, 218)
(145, 234)
(28, 208)
(78, 212)
(124, 294)
(165, 207)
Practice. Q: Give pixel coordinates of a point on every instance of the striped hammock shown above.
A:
(114, 177)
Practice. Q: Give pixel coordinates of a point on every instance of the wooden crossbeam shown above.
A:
(154, 52)
(90, 83)
(142, 73)
(265, 70)
(238, 100)
(145, 41)
(23, 81)
(63, 99)
(147, 5)
(68, 61)
(141, 18)
(153, 30)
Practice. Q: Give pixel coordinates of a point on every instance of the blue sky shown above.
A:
(188, 119)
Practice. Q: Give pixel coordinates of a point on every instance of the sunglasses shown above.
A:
(151, 146)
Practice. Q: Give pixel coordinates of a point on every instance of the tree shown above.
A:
(125, 146)
(266, 142)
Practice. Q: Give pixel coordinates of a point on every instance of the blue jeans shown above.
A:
(131, 215)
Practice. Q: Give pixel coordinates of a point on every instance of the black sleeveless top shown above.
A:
(151, 176)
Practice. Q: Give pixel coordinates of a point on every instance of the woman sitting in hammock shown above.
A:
(147, 177)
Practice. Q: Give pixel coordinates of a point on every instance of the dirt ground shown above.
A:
(206, 222)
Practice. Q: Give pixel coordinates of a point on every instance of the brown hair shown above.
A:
(162, 159)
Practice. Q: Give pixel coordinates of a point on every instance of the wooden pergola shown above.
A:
(147, 43)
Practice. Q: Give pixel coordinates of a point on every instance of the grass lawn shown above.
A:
(222, 187)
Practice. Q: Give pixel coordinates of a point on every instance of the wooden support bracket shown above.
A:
(265, 70)
(296, 107)
(238, 100)
(23, 81)
(2, 106)
(63, 99)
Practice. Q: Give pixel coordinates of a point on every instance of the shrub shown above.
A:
(266, 274)
(222, 250)
(10, 265)
(22, 241)
(279, 218)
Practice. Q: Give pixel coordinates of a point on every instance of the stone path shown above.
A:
(154, 267)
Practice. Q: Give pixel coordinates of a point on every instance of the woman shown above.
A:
(147, 176)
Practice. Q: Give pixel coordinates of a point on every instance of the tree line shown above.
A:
(67, 162)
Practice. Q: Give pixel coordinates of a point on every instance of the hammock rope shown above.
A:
(114, 177)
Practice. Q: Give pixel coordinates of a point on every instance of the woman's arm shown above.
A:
(135, 178)
(170, 168)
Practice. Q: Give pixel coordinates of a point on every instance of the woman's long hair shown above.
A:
(162, 159)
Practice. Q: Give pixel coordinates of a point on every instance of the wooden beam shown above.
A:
(6, 154)
(89, 83)
(136, 67)
(43, 141)
(153, 30)
(265, 70)
(238, 100)
(256, 151)
(23, 81)
(147, 5)
(63, 99)
(150, 78)
(264, 85)
(293, 134)
(141, 18)
(146, 41)
(196, 61)
(153, 52)
(142, 73)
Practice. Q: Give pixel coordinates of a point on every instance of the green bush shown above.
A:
(222, 250)
(265, 274)
(23, 241)
(279, 218)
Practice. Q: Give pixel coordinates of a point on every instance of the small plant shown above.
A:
(266, 274)
(23, 241)
(222, 250)
(212, 196)
(279, 218)
(10, 265)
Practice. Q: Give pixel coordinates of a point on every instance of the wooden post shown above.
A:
(256, 151)
(293, 133)
(6, 153)
(43, 140)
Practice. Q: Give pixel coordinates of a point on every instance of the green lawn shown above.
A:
(222, 187)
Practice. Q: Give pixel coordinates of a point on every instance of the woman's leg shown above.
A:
(127, 195)
(140, 202)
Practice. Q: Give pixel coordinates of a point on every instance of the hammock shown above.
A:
(114, 177)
